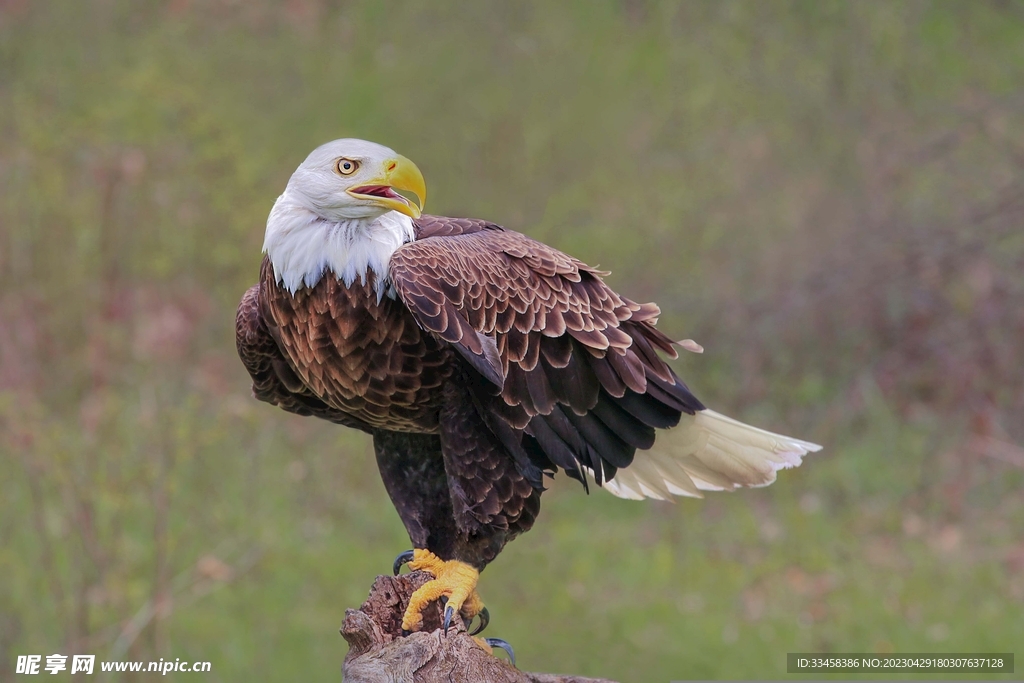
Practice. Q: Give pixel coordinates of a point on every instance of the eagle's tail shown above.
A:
(707, 452)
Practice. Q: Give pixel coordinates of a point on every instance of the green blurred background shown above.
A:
(829, 196)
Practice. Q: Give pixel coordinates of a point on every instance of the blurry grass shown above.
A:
(790, 181)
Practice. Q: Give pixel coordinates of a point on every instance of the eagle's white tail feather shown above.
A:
(708, 452)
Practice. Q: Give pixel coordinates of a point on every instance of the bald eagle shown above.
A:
(478, 359)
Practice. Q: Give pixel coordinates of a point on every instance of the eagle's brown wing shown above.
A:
(272, 379)
(570, 363)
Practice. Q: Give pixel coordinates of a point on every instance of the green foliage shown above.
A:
(826, 195)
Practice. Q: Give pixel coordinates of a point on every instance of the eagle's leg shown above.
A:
(461, 498)
(492, 502)
(414, 475)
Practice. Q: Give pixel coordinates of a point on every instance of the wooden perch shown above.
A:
(378, 653)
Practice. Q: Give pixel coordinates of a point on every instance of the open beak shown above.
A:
(396, 174)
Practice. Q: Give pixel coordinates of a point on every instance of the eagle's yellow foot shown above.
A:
(452, 579)
(488, 644)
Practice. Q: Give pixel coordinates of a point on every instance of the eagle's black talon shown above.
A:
(449, 612)
(406, 633)
(485, 618)
(403, 558)
(498, 642)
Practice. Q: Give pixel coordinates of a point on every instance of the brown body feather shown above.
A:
(516, 356)
(363, 357)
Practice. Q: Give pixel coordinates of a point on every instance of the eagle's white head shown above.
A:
(341, 213)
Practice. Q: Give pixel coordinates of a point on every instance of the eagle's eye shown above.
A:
(347, 166)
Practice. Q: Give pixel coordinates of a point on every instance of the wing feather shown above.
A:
(576, 361)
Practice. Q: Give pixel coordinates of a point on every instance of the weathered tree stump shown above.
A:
(378, 653)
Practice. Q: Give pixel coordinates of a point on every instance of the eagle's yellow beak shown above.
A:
(396, 174)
